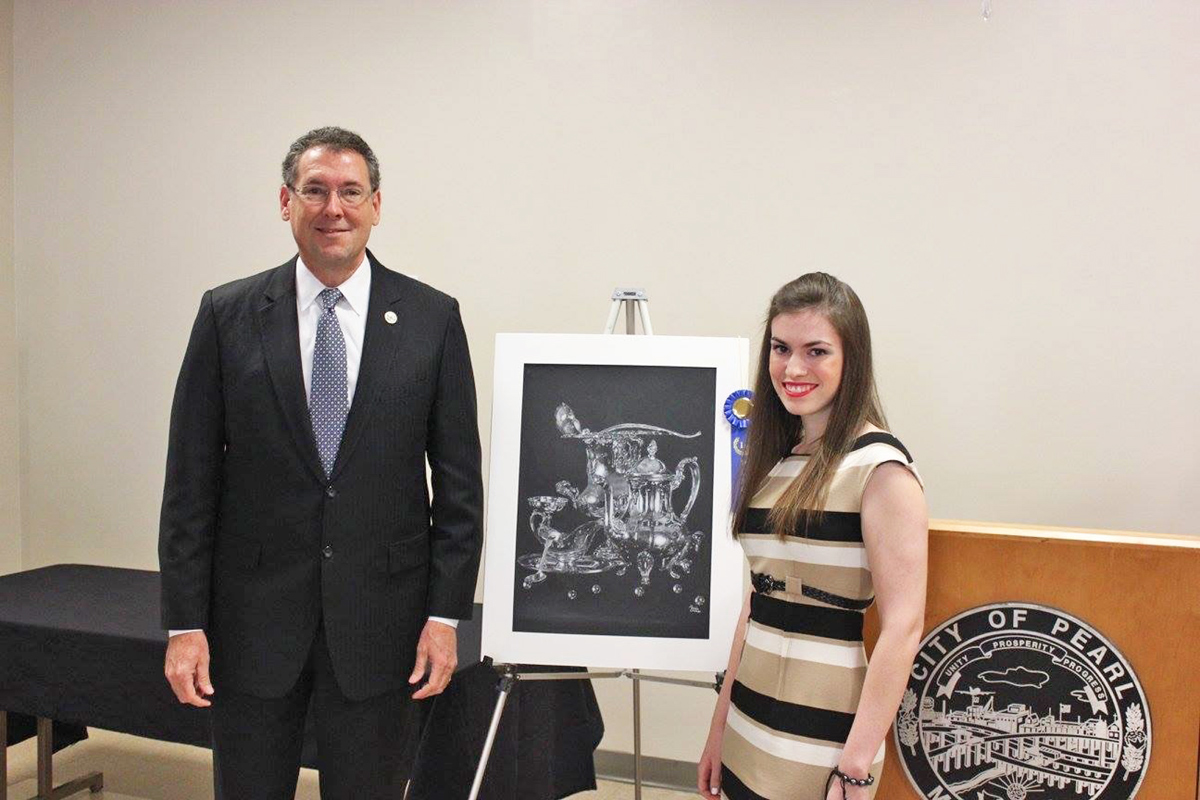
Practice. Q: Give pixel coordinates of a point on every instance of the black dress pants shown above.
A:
(364, 748)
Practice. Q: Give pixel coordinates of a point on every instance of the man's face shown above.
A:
(330, 233)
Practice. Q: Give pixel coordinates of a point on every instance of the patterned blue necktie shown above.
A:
(327, 401)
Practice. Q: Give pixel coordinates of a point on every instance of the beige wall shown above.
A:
(10, 450)
(1015, 201)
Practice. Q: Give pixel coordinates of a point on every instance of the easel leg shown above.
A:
(613, 311)
(506, 685)
(644, 313)
(637, 737)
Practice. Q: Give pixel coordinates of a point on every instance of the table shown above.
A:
(81, 645)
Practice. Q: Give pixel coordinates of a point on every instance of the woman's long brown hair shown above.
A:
(774, 431)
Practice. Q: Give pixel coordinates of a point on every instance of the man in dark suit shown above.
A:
(303, 560)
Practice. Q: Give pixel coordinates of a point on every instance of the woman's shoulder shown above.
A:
(877, 444)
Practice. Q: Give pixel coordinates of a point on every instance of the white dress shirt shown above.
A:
(351, 313)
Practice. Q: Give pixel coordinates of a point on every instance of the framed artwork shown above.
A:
(608, 539)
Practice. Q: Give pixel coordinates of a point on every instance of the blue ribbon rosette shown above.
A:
(737, 412)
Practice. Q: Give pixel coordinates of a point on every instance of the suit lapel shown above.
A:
(379, 353)
(280, 332)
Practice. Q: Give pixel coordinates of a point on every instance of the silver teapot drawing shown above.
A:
(630, 501)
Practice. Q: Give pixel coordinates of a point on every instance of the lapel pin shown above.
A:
(390, 317)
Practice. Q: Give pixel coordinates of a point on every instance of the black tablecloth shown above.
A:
(82, 645)
(543, 746)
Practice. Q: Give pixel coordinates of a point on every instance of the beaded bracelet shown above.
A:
(843, 778)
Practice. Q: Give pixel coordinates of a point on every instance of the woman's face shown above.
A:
(806, 362)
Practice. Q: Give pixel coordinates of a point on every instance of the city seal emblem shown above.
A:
(1016, 701)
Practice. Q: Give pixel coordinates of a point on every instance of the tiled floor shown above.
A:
(142, 769)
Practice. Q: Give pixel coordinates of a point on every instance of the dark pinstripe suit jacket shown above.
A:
(256, 545)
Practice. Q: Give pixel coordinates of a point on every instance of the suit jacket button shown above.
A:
(327, 551)
(330, 491)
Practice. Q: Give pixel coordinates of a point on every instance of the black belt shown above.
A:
(766, 584)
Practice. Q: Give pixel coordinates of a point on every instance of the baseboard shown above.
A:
(665, 773)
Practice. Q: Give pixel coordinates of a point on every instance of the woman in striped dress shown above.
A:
(832, 518)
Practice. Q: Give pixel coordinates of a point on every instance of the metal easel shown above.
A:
(631, 299)
(634, 301)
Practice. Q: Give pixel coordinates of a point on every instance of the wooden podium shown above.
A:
(1140, 591)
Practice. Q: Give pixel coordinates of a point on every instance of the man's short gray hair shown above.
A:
(336, 139)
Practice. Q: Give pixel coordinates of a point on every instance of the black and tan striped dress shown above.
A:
(803, 664)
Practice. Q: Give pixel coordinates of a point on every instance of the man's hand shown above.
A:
(437, 653)
(187, 668)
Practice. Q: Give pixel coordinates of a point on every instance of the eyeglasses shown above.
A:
(315, 195)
